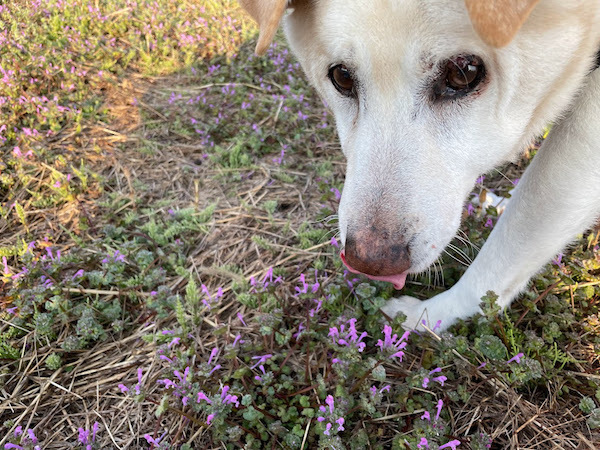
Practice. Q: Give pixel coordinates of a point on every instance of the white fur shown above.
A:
(414, 161)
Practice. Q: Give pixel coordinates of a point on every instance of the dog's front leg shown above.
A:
(557, 199)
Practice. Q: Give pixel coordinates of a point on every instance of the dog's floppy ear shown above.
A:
(498, 21)
(268, 14)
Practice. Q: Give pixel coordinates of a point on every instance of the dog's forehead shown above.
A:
(384, 35)
(368, 24)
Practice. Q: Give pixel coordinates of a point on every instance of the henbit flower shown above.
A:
(261, 359)
(426, 416)
(262, 369)
(558, 260)
(154, 441)
(117, 256)
(348, 337)
(5, 264)
(334, 242)
(452, 444)
(440, 379)
(239, 316)
(516, 358)
(330, 416)
(470, 209)
(489, 223)
(181, 388)
(209, 300)
(423, 444)
(84, 436)
(392, 343)
(202, 396)
(238, 338)
(315, 310)
(439, 406)
(228, 399)
(213, 353)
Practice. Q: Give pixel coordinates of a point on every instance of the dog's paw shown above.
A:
(437, 313)
(412, 308)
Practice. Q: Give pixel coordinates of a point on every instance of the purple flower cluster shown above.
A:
(424, 443)
(116, 256)
(85, 438)
(27, 439)
(305, 287)
(334, 422)
(441, 379)
(391, 343)
(224, 398)
(137, 389)
(347, 335)
(181, 387)
(209, 300)
(262, 285)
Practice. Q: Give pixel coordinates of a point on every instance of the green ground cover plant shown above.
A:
(170, 270)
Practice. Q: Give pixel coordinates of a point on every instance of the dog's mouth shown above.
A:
(397, 280)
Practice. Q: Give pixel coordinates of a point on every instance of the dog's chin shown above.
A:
(397, 280)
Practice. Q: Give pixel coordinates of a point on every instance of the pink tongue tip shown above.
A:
(397, 280)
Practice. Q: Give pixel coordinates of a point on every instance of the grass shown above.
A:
(170, 275)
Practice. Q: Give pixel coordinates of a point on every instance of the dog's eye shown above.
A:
(342, 80)
(460, 76)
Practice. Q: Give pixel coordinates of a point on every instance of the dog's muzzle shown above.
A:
(378, 255)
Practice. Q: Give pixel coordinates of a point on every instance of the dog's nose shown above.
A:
(377, 252)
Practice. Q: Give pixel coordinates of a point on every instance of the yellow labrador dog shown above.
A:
(428, 95)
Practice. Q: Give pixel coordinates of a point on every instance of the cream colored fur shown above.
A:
(416, 161)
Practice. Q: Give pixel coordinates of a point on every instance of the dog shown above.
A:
(427, 96)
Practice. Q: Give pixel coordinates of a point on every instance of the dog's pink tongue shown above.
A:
(397, 280)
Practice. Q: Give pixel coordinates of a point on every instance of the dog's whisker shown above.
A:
(438, 281)
(464, 237)
(458, 250)
(329, 219)
(455, 258)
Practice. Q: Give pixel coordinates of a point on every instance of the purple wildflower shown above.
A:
(439, 406)
(348, 336)
(261, 359)
(154, 441)
(423, 444)
(452, 445)
(516, 358)
(391, 343)
(182, 387)
(329, 415)
(439, 379)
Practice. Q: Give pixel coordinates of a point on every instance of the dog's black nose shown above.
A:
(377, 252)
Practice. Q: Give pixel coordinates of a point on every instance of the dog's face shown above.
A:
(423, 106)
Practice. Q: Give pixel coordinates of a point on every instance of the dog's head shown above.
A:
(428, 95)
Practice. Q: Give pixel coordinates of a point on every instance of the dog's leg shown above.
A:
(557, 199)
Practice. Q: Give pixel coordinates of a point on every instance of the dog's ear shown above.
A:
(498, 21)
(268, 14)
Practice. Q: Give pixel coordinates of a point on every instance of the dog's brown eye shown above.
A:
(342, 80)
(460, 76)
